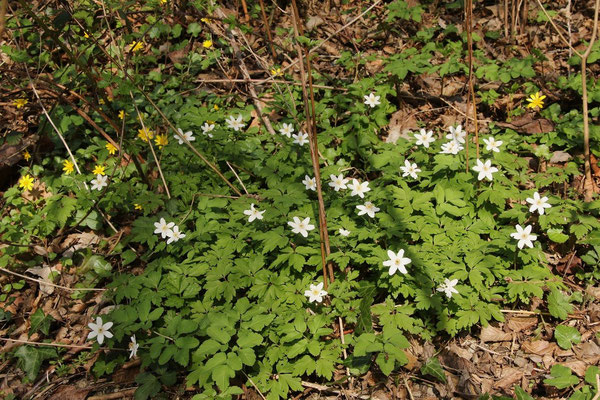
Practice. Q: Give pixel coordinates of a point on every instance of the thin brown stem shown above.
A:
(268, 30)
(311, 127)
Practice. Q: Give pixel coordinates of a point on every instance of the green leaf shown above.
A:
(365, 321)
(221, 374)
(520, 394)
(433, 367)
(590, 375)
(31, 358)
(558, 305)
(248, 339)
(149, 386)
(557, 236)
(247, 356)
(40, 322)
(562, 377)
(566, 335)
(385, 363)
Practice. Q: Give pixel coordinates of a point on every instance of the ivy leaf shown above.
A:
(40, 322)
(566, 336)
(31, 358)
(433, 367)
(559, 305)
(562, 377)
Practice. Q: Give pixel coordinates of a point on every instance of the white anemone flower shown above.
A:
(410, 169)
(368, 208)
(301, 226)
(456, 134)
(448, 287)
(485, 170)
(235, 123)
(189, 136)
(253, 213)
(344, 232)
(301, 138)
(287, 130)
(538, 203)
(100, 182)
(359, 189)
(371, 100)
(524, 236)
(133, 347)
(207, 129)
(451, 147)
(175, 235)
(310, 183)
(424, 138)
(492, 144)
(338, 182)
(164, 229)
(315, 293)
(100, 330)
(397, 262)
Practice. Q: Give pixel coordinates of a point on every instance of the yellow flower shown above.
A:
(205, 20)
(101, 101)
(99, 170)
(20, 102)
(111, 148)
(26, 182)
(137, 206)
(207, 44)
(85, 35)
(216, 107)
(163, 1)
(122, 114)
(67, 167)
(536, 100)
(276, 71)
(145, 134)
(136, 46)
(161, 140)
(26, 155)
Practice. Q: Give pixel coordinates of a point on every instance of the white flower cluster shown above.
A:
(288, 130)
(168, 230)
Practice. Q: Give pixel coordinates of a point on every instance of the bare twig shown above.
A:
(237, 176)
(255, 387)
(268, 30)
(149, 140)
(41, 282)
(311, 125)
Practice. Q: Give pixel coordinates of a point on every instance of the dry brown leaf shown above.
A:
(493, 334)
(539, 347)
(576, 366)
(70, 392)
(508, 377)
(401, 123)
(527, 124)
(518, 324)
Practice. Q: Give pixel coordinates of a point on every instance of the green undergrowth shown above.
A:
(225, 305)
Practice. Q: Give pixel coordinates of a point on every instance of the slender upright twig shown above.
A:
(311, 127)
(589, 185)
(149, 141)
(268, 30)
(471, 101)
